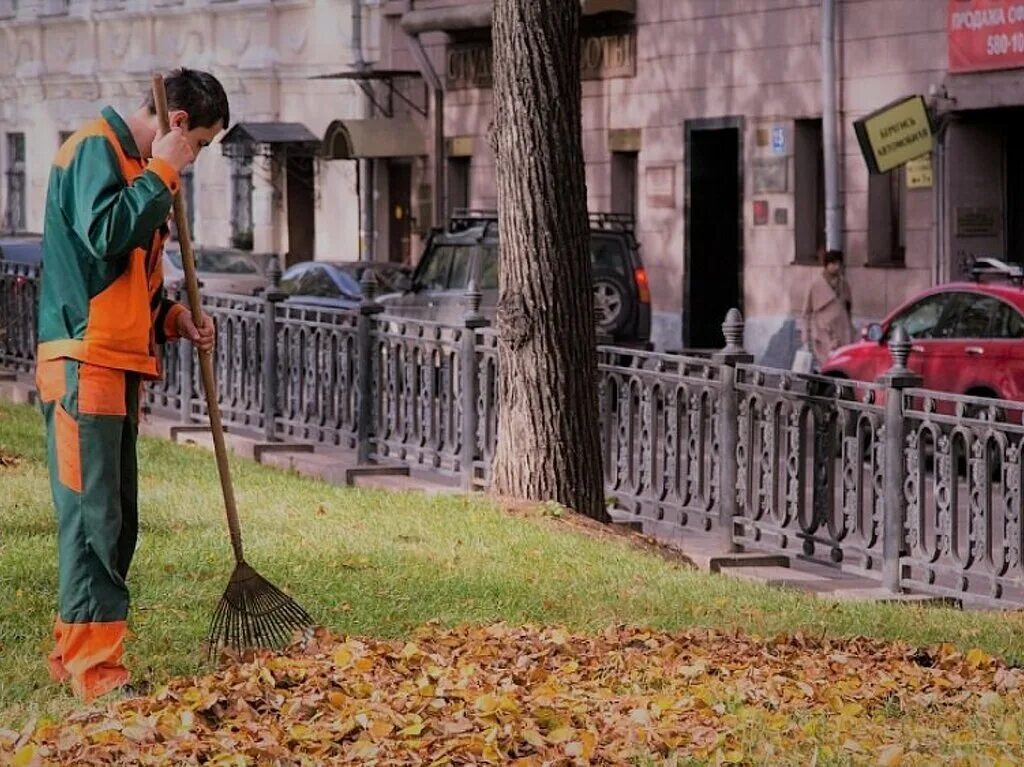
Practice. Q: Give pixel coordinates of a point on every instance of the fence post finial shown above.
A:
(732, 329)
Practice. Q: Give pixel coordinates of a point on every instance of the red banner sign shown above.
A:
(985, 34)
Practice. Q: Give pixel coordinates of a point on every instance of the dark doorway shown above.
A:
(399, 213)
(714, 230)
(458, 184)
(301, 210)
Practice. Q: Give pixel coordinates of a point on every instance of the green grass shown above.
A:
(378, 563)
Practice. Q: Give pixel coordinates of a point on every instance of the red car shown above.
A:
(968, 338)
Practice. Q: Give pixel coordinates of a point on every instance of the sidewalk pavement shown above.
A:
(338, 466)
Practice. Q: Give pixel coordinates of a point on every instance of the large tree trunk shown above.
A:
(548, 433)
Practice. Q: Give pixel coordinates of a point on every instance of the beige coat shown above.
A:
(826, 323)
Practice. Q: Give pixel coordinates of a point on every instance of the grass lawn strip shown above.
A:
(379, 565)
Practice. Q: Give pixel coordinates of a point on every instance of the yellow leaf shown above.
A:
(336, 699)
(412, 730)
(890, 756)
(364, 749)
(26, 757)
(589, 741)
(534, 738)
(561, 735)
(977, 658)
(851, 709)
(734, 757)
(381, 729)
(487, 704)
(363, 665)
(410, 651)
(342, 657)
(301, 732)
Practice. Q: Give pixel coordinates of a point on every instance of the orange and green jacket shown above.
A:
(102, 298)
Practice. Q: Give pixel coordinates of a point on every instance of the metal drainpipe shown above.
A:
(434, 82)
(365, 179)
(830, 120)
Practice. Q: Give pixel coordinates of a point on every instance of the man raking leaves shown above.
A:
(102, 313)
(253, 612)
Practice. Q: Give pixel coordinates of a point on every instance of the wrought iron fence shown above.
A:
(911, 488)
(19, 295)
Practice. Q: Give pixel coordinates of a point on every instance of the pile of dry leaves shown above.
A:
(526, 696)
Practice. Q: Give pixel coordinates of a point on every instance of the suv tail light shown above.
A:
(643, 287)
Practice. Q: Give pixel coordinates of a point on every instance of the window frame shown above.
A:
(808, 182)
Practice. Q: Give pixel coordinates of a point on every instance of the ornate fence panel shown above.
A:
(660, 436)
(486, 404)
(810, 460)
(165, 394)
(237, 365)
(19, 300)
(963, 492)
(417, 410)
(317, 358)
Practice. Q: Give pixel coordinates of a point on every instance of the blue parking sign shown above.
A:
(778, 139)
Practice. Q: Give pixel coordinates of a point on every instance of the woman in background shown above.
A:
(826, 320)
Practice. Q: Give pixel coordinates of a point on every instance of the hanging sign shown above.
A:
(895, 134)
(985, 34)
(919, 173)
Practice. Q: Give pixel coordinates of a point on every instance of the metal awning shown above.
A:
(477, 15)
(374, 137)
(365, 79)
(265, 138)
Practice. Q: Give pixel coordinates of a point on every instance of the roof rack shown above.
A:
(619, 222)
(979, 268)
(465, 218)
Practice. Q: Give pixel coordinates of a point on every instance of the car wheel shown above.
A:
(611, 302)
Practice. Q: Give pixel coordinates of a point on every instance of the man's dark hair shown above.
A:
(831, 256)
(198, 93)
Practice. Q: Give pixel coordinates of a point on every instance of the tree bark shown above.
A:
(548, 432)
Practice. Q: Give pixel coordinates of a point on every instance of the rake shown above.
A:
(253, 612)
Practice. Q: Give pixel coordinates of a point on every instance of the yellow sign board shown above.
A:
(895, 134)
(919, 173)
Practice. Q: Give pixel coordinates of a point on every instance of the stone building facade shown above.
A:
(703, 117)
(62, 60)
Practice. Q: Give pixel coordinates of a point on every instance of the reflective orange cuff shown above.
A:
(167, 174)
(171, 322)
(89, 654)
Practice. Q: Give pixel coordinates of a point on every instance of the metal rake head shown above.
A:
(254, 613)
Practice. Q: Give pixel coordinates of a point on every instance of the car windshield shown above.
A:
(389, 279)
(219, 262)
(607, 254)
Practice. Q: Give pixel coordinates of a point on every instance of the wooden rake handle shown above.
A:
(205, 358)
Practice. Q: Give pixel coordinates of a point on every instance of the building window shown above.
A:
(14, 215)
(54, 7)
(458, 183)
(623, 181)
(809, 190)
(887, 202)
(241, 203)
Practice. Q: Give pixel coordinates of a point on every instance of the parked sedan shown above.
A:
(220, 270)
(338, 284)
(22, 249)
(967, 338)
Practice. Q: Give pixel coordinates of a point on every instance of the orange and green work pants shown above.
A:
(92, 421)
